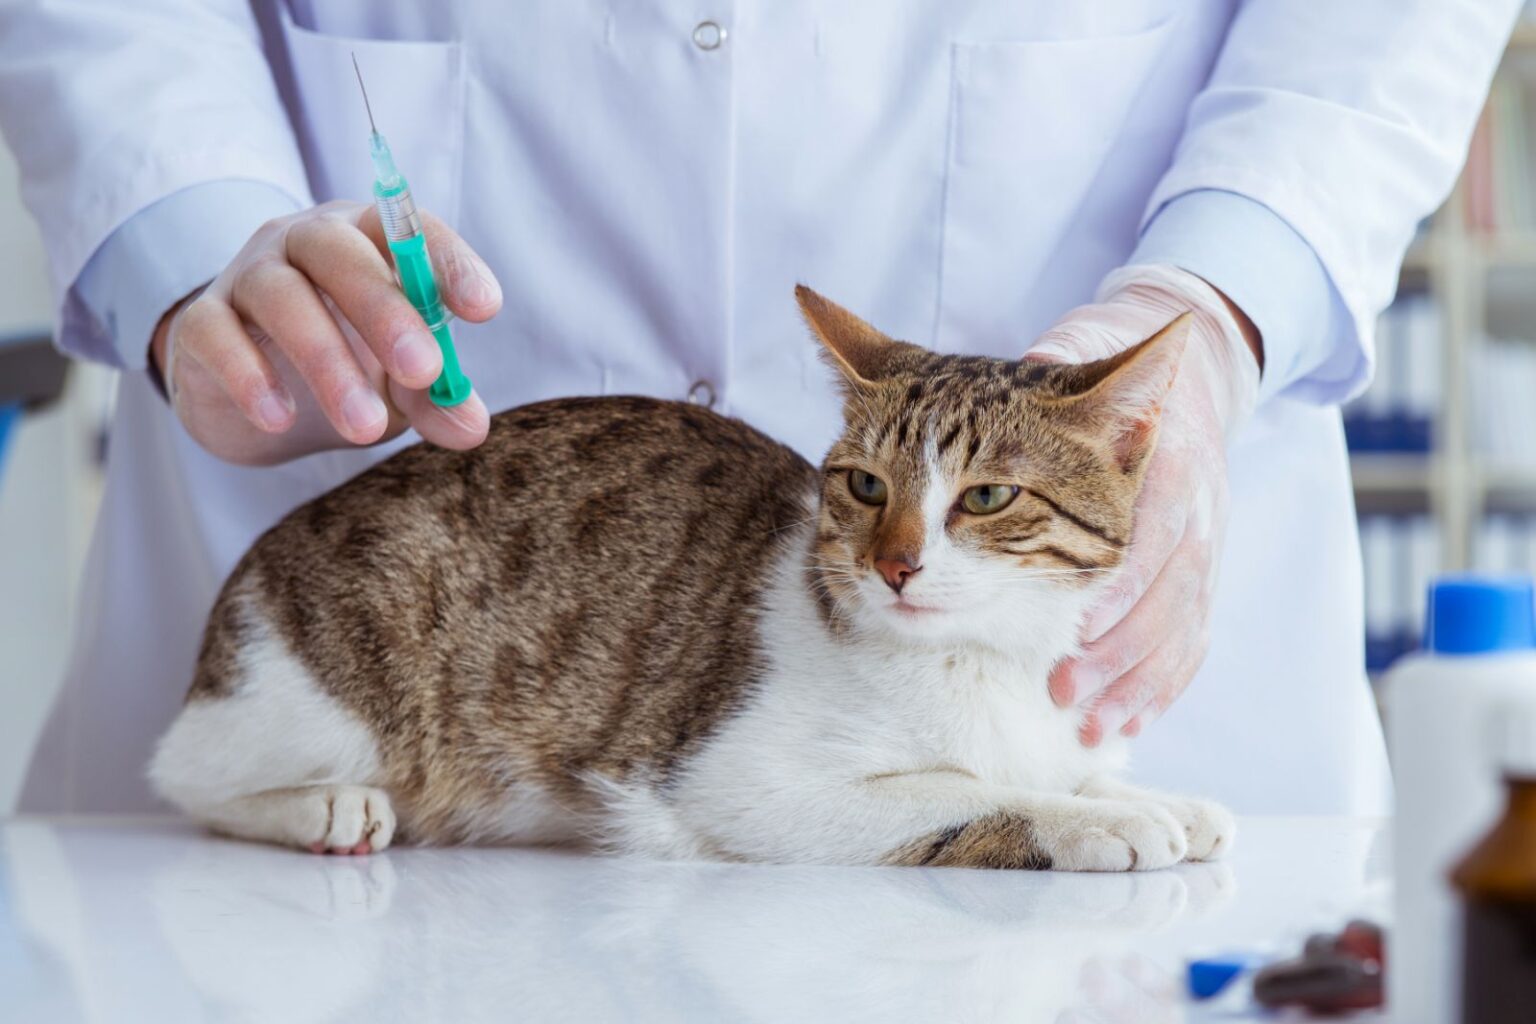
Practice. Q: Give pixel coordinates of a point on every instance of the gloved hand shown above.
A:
(305, 341)
(1144, 640)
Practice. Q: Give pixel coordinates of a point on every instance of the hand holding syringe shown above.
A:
(306, 342)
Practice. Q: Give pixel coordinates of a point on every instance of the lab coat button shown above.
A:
(708, 35)
(702, 393)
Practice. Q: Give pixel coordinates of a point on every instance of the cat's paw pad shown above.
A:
(1112, 835)
(347, 819)
(1209, 827)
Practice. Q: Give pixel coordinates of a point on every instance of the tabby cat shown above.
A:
(641, 624)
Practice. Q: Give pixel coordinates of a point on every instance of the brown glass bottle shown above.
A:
(1497, 883)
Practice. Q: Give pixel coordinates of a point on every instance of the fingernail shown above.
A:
(273, 410)
(1111, 718)
(1062, 687)
(362, 409)
(416, 354)
(477, 285)
(1086, 682)
(1103, 618)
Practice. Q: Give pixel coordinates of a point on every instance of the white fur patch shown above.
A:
(277, 730)
(527, 814)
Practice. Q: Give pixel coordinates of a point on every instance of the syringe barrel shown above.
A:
(413, 264)
(397, 212)
(414, 268)
(408, 244)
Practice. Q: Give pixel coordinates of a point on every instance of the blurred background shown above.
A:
(1443, 444)
(52, 438)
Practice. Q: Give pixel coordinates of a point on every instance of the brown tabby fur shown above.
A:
(551, 600)
(1001, 840)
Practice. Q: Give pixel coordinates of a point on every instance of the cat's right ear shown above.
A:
(857, 350)
(1121, 398)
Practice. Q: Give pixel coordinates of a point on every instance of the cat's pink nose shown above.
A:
(896, 571)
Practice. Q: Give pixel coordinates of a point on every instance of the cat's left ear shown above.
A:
(855, 348)
(1122, 396)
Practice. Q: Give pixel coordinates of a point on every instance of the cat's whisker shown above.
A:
(832, 566)
(973, 574)
(1058, 573)
(842, 577)
(790, 526)
(824, 586)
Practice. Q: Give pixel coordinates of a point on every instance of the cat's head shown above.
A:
(970, 497)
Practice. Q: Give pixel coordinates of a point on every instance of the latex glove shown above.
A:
(1149, 633)
(305, 341)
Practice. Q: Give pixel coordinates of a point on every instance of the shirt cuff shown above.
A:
(156, 257)
(1239, 245)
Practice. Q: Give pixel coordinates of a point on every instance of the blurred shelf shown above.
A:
(1423, 254)
(1427, 253)
(1507, 477)
(1411, 472)
(1524, 37)
(1389, 472)
(1484, 286)
(1508, 248)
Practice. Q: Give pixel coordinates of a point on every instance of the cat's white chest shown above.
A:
(832, 707)
(993, 717)
(980, 711)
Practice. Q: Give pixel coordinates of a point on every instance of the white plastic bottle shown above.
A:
(1442, 707)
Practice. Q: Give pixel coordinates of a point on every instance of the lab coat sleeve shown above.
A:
(156, 257)
(1349, 122)
(112, 107)
(1274, 277)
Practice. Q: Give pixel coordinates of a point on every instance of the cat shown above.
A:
(642, 625)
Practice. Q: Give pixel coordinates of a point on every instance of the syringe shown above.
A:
(408, 245)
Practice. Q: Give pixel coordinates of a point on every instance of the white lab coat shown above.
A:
(960, 173)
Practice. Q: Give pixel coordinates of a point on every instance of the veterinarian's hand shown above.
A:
(305, 342)
(1149, 633)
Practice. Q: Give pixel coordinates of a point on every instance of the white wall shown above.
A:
(49, 492)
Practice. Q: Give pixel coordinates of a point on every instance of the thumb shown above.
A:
(458, 427)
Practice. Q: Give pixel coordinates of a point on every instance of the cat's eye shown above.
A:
(867, 487)
(985, 499)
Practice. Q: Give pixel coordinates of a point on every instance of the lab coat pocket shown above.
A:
(1031, 124)
(416, 90)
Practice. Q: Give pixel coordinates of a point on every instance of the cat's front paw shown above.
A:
(344, 819)
(1209, 827)
(1113, 835)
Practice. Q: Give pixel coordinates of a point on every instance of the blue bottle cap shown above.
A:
(1208, 976)
(1473, 614)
